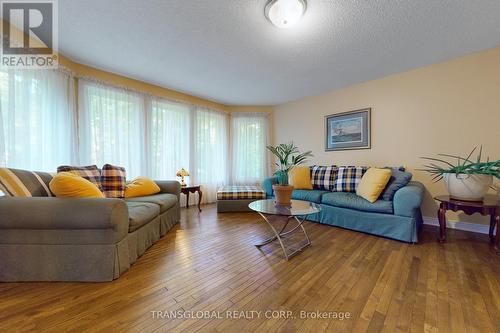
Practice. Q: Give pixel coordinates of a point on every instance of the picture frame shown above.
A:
(348, 130)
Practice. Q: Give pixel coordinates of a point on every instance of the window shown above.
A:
(112, 127)
(190, 137)
(36, 119)
(152, 136)
(41, 129)
(249, 140)
(209, 165)
(169, 138)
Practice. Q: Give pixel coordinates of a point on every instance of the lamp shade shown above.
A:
(182, 173)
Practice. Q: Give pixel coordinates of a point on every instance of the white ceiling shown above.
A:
(226, 51)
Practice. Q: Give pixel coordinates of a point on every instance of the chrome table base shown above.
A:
(280, 235)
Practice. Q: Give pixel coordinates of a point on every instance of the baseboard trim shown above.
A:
(465, 226)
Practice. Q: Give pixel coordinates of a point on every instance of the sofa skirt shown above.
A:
(82, 262)
(57, 262)
(136, 243)
(395, 227)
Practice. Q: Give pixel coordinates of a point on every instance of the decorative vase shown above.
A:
(283, 194)
(467, 187)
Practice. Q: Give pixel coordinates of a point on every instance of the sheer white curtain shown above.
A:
(169, 138)
(112, 127)
(147, 135)
(209, 155)
(249, 132)
(190, 137)
(37, 119)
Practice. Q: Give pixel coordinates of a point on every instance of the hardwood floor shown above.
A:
(208, 263)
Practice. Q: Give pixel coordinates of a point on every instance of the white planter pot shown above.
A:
(467, 187)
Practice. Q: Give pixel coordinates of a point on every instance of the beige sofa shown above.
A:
(66, 239)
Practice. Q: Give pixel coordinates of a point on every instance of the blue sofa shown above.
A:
(398, 219)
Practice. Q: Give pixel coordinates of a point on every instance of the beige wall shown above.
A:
(448, 107)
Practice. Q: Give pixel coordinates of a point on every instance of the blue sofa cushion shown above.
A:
(353, 201)
(308, 195)
(398, 180)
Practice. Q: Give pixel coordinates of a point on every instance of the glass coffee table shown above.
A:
(298, 208)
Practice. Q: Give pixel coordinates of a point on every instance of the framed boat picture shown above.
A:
(348, 130)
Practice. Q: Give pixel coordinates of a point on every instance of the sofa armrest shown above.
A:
(268, 183)
(407, 200)
(169, 186)
(64, 213)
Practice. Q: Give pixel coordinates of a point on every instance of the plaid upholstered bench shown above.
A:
(237, 198)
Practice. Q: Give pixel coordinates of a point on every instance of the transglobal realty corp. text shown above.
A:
(260, 314)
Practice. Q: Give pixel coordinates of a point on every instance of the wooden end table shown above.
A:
(192, 189)
(489, 206)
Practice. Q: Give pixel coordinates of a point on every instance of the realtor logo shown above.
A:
(29, 34)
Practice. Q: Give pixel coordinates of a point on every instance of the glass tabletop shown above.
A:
(297, 207)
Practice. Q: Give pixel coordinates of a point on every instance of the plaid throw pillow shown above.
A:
(323, 177)
(114, 181)
(348, 178)
(91, 173)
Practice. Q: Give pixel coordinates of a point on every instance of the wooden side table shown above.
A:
(489, 206)
(192, 189)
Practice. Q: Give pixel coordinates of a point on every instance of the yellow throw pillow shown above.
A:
(373, 183)
(70, 185)
(141, 186)
(300, 178)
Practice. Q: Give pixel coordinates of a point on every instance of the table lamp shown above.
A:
(182, 173)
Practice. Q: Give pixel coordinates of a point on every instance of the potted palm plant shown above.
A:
(288, 156)
(466, 180)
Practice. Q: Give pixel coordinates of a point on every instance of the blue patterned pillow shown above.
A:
(323, 177)
(399, 179)
(348, 178)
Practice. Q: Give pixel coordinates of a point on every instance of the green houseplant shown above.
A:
(288, 156)
(465, 179)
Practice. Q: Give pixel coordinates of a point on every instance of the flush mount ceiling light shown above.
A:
(285, 13)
